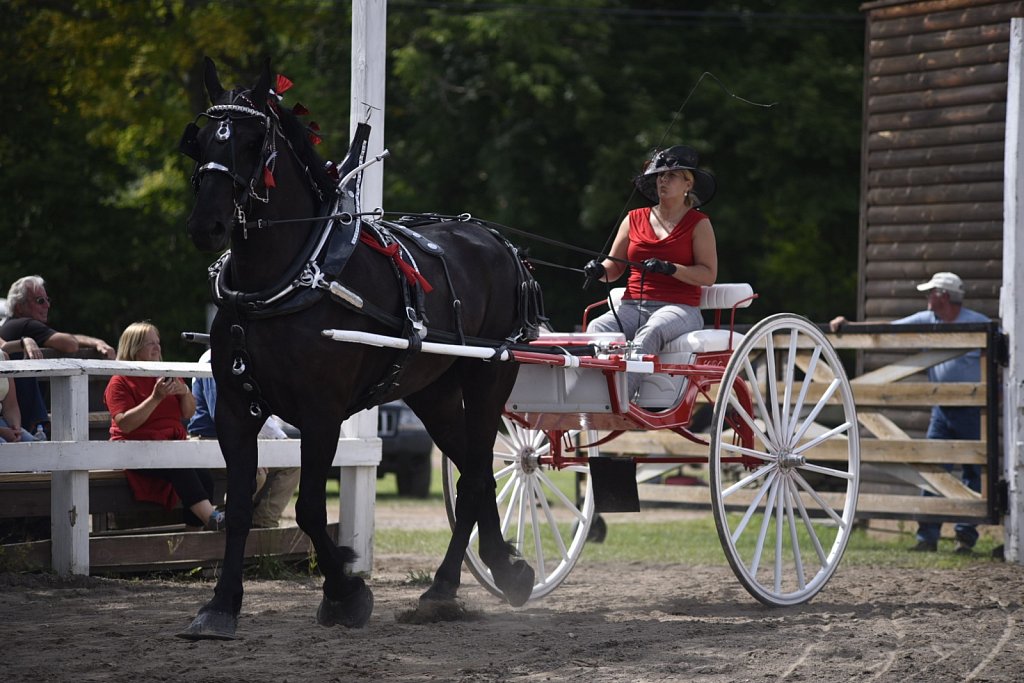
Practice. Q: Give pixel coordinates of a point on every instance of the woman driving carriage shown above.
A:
(676, 244)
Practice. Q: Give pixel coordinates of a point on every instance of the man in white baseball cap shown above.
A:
(947, 282)
(945, 305)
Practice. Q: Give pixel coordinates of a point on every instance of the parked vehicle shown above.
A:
(405, 449)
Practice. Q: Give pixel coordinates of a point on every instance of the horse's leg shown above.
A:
(441, 410)
(218, 619)
(347, 599)
(485, 403)
(463, 421)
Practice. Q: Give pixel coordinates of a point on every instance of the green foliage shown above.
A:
(419, 578)
(535, 114)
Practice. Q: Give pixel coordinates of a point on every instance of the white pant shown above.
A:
(651, 326)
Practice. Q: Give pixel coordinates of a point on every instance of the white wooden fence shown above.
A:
(69, 456)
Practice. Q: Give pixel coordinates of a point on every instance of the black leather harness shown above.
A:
(317, 272)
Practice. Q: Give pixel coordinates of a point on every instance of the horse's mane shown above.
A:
(297, 134)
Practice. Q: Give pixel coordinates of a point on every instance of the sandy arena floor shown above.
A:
(627, 623)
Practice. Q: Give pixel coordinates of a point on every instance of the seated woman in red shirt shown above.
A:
(152, 409)
(676, 245)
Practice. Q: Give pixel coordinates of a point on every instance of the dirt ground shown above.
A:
(632, 623)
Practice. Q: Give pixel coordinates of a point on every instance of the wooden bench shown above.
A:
(146, 537)
(27, 494)
(70, 458)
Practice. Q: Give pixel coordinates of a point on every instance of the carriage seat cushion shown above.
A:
(720, 296)
(699, 341)
(725, 295)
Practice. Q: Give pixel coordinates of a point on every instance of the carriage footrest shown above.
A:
(614, 482)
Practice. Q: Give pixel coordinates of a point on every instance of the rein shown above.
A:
(321, 261)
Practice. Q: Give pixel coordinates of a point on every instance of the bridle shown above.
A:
(226, 116)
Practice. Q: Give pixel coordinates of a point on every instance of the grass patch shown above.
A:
(686, 541)
(387, 490)
(695, 541)
(419, 578)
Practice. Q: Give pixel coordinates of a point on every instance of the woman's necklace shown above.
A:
(666, 226)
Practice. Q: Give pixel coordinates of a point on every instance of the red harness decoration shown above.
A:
(412, 275)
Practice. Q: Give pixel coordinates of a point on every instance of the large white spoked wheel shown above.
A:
(545, 514)
(784, 502)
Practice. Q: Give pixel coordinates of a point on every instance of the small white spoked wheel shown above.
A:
(544, 513)
(785, 460)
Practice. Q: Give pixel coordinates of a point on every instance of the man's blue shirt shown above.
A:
(204, 390)
(965, 368)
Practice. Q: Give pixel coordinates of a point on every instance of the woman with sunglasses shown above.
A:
(675, 242)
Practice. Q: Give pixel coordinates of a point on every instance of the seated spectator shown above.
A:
(153, 409)
(25, 346)
(29, 308)
(11, 430)
(274, 486)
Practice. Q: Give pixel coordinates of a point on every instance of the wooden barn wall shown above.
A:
(932, 176)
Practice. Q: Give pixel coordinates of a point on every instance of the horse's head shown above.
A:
(232, 142)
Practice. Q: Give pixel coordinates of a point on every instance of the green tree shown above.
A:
(538, 115)
(535, 114)
(98, 193)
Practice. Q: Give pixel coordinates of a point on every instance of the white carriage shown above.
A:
(783, 448)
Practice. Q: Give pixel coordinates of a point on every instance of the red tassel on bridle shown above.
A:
(283, 84)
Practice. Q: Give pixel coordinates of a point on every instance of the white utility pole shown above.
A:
(1011, 299)
(369, 55)
(366, 105)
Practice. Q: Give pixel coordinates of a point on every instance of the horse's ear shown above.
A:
(262, 87)
(212, 80)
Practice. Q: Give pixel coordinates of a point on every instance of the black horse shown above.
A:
(289, 275)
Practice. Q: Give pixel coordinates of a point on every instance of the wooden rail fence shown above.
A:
(893, 401)
(70, 457)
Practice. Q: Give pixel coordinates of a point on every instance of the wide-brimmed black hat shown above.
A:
(678, 157)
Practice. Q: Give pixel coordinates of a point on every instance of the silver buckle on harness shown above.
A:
(240, 220)
(417, 324)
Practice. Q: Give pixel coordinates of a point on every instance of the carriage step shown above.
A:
(614, 482)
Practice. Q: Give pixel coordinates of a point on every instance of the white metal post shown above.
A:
(69, 489)
(369, 57)
(1011, 300)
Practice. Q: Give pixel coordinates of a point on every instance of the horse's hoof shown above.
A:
(517, 584)
(440, 591)
(351, 612)
(211, 626)
(432, 611)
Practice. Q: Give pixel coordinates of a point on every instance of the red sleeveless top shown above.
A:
(676, 248)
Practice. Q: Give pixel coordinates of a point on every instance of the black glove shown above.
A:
(656, 265)
(594, 270)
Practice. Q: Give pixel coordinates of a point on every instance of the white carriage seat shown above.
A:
(720, 296)
(659, 391)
